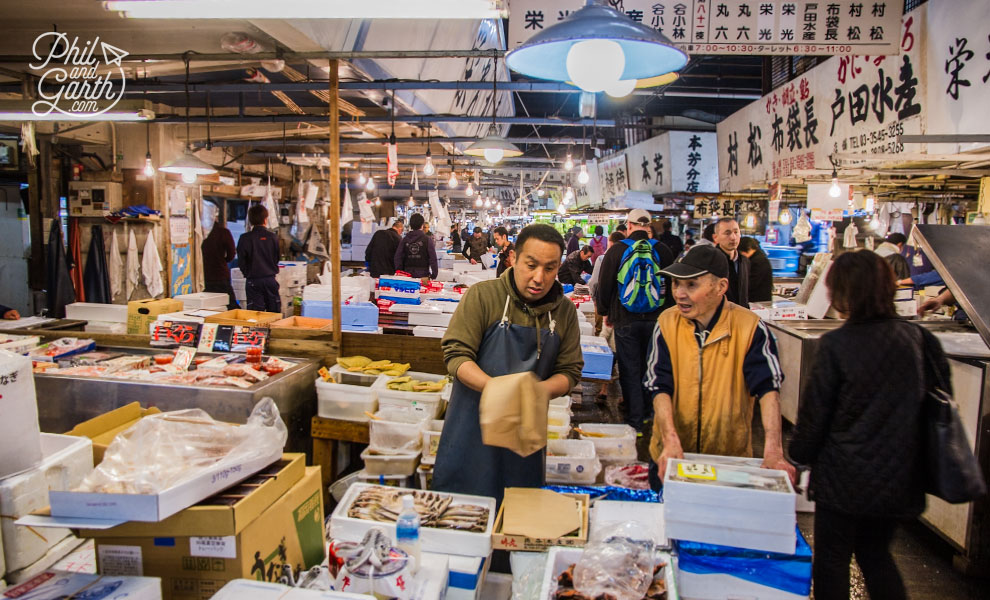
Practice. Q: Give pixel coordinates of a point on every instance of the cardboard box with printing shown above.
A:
(142, 313)
(196, 552)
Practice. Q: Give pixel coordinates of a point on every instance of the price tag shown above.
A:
(171, 334)
(696, 471)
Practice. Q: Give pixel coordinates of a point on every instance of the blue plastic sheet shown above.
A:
(787, 572)
(608, 492)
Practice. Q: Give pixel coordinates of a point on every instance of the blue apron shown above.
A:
(464, 464)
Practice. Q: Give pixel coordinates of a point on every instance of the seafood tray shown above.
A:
(363, 504)
(561, 559)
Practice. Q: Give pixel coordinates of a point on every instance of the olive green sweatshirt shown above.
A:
(483, 305)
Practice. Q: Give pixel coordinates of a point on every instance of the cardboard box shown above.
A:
(302, 323)
(541, 511)
(104, 428)
(55, 585)
(249, 318)
(142, 313)
(288, 534)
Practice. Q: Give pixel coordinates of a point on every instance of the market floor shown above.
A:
(924, 559)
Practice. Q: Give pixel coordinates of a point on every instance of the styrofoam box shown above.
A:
(649, 516)
(390, 464)
(445, 275)
(348, 400)
(203, 300)
(430, 404)
(105, 327)
(19, 344)
(399, 481)
(586, 328)
(91, 311)
(397, 431)
(619, 445)
(434, 318)
(685, 493)
(445, 541)
(587, 308)
(465, 266)
(559, 558)
(66, 461)
(802, 502)
(54, 584)
(571, 461)
(467, 577)
(55, 554)
(431, 332)
(249, 589)
(722, 586)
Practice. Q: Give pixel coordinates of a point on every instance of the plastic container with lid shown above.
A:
(572, 462)
(555, 432)
(429, 404)
(350, 399)
(612, 442)
(563, 402)
(558, 417)
(431, 441)
(397, 431)
(377, 463)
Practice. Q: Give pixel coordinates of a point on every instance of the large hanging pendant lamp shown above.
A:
(596, 47)
(493, 147)
(187, 166)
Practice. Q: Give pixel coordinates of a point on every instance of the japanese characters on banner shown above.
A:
(801, 27)
(613, 176)
(649, 165)
(589, 195)
(694, 162)
(860, 104)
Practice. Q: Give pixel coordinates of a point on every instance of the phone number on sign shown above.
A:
(770, 49)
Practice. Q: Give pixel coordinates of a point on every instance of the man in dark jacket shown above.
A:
(475, 247)
(505, 249)
(726, 236)
(257, 257)
(218, 251)
(416, 253)
(380, 254)
(760, 270)
(672, 241)
(575, 264)
(633, 331)
(9, 313)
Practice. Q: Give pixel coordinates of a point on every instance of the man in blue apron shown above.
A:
(519, 322)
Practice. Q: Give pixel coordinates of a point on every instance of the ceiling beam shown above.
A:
(568, 141)
(285, 55)
(294, 118)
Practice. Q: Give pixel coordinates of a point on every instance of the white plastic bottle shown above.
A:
(407, 531)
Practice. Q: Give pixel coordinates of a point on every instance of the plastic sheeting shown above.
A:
(608, 492)
(788, 572)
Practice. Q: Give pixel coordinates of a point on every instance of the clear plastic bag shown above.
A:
(616, 563)
(163, 450)
(528, 571)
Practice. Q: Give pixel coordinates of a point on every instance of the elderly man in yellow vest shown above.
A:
(709, 361)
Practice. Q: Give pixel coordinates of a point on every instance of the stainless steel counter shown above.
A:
(65, 400)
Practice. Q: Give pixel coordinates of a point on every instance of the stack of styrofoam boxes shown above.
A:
(66, 461)
(204, 300)
(237, 282)
(102, 318)
(734, 507)
(585, 325)
(597, 358)
(360, 241)
(291, 281)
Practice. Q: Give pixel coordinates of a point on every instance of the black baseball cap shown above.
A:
(698, 261)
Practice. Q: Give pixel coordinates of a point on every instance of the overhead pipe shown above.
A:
(572, 141)
(294, 118)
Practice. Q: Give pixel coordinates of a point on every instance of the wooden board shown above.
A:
(422, 353)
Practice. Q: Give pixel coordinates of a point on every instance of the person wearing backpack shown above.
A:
(416, 253)
(631, 293)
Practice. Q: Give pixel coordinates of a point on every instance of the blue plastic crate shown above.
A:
(356, 314)
(597, 365)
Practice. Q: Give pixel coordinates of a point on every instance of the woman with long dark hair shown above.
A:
(860, 428)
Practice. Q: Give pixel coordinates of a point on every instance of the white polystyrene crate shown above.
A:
(93, 311)
(618, 444)
(571, 462)
(559, 558)
(446, 541)
(430, 404)
(213, 300)
(349, 400)
(436, 318)
(743, 488)
(721, 535)
(430, 332)
(722, 586)
(586, 328)
(66, 461)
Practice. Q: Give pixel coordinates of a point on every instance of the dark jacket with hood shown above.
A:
(417, 255)
(860, 420)
(380, 254)
(760, 278)
(475, 247)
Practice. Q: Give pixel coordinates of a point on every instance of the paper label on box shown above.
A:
(696, 471)
(213, 547)
(120, 560)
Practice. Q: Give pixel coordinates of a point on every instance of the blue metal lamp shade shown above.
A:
(646, 52)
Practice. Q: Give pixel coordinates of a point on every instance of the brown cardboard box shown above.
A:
(541, 524)
(201, 556)
(104, 428)
(248, 318)
(142, 313)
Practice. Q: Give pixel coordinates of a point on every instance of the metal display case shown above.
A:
(65, 400)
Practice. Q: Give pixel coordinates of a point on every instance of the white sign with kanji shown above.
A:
(649, 165)
(797, 27)
(694, 162)
(613, 176)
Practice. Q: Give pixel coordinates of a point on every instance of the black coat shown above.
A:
(760, 278)
(570, 272)
(673, 242)
(380, 253)
(860, 421)
(738, 292)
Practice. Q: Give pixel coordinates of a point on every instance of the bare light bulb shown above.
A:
(785, 217)
(595, 64)
(428, 168)
(361, 178)
(834, 191)
(370, 185)
(378, 201)
(412, 202)
(750, 221)
(469, 190)
(188, 177)
(870, 202)
(493, 155)
(498, 206)
(569, 163)
(478, 202)
(488, 203)
(149, 169)
(452, 182)
(874, 224)
(583, 176)
(568, 195)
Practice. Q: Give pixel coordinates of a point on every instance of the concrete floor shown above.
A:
(924, 559)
